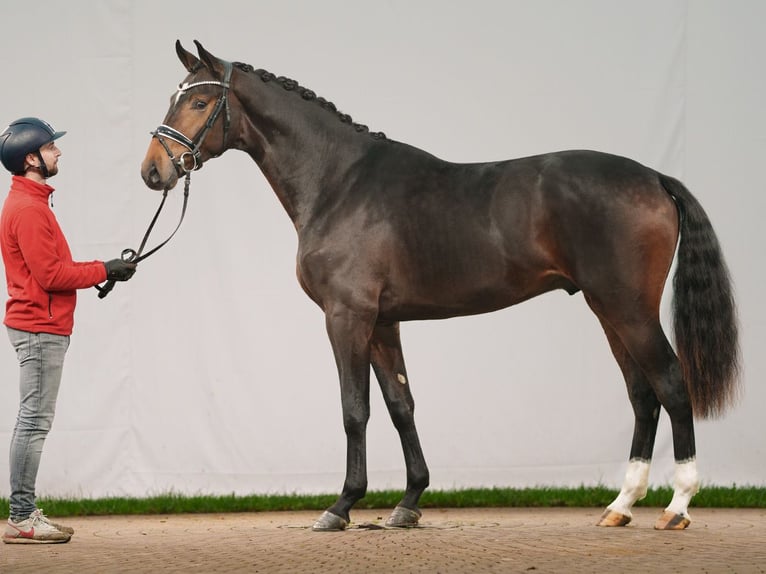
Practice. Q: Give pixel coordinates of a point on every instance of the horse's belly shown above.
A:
(453, 299)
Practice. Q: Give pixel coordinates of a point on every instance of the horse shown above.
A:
(390, 233)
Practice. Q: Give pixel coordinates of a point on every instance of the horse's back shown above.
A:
(555, 211)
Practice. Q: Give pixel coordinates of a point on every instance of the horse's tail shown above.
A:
(704, 312)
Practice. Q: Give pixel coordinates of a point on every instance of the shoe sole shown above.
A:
(20, 540)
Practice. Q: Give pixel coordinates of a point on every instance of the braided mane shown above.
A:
(291, 85)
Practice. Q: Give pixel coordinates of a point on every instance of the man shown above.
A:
(42, 283)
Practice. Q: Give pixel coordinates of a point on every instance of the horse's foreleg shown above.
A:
(388, 363)
(350, 339)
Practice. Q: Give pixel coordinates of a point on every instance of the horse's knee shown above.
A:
(402, 415)
(355, 423)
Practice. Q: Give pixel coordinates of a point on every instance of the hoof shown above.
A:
(329, 522)
(671, 521)
(612, 518)
(403, 517)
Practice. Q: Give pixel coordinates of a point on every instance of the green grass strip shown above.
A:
(581, 497)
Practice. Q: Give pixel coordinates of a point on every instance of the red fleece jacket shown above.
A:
(42, 278)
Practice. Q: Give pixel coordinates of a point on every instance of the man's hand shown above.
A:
(119, 270)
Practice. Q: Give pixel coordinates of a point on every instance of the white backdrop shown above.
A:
(210, 372)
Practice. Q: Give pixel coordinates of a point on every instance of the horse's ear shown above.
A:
(189, 60)
(211, 62)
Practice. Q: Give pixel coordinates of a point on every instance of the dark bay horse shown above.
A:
(390, 233)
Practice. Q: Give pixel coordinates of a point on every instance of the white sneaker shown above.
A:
(34, 530)
(65, 529)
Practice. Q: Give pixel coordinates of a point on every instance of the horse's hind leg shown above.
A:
(646, 409)
(653, 352)
(648, 348)
(388, 364)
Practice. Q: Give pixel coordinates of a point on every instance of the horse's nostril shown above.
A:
(151, 176)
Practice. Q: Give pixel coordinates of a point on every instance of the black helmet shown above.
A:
(24, 136)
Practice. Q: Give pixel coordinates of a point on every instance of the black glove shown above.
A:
(119, 270)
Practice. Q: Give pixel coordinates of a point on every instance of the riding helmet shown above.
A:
(24, 136)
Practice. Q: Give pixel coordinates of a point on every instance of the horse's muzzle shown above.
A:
(159, 175)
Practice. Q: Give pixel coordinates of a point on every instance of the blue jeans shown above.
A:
(41, 358)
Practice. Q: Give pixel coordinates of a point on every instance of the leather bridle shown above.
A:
(193, 146)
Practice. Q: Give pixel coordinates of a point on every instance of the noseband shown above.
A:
(193, 145)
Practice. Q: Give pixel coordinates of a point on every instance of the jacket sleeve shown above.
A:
(54, 271)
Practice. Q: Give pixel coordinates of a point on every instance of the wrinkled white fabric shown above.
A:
(210, 371)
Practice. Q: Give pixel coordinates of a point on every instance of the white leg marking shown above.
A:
(633, 488)
(686, 484)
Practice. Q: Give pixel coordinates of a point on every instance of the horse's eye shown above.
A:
(199, 105)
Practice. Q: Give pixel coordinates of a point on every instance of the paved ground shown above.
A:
(449, 540)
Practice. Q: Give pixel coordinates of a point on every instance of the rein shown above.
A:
(131, 255)
(193, 146)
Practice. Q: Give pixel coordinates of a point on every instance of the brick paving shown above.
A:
(449, 540)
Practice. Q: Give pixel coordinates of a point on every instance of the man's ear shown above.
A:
(31, 160)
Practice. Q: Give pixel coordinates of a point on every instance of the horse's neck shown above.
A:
(303, 150)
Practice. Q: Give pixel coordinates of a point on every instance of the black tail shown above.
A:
(704, 312)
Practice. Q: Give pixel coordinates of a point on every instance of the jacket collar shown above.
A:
(30, 187)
